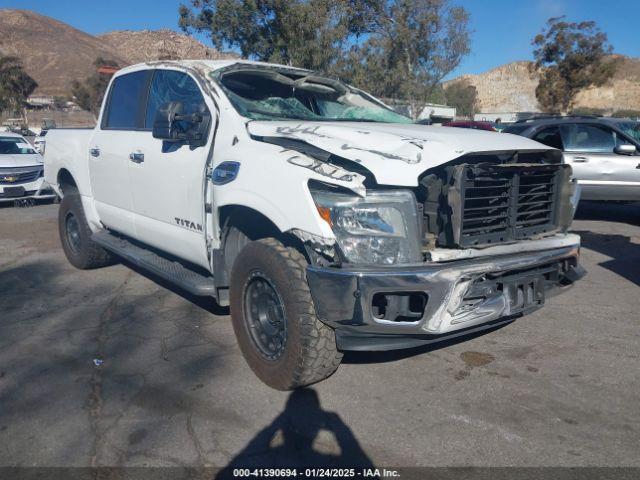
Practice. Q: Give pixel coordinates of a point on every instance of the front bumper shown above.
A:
(460, 296)
(36, 190)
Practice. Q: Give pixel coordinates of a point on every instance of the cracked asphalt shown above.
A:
(556, 388)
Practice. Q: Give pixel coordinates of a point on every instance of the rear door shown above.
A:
(549, 136)
(602, 173)
(115, 137)
(168, 179)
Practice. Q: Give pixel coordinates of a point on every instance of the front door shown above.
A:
(168, 179)
(602, 173)
(109, 151)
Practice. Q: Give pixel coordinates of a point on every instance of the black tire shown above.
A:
(308, 353)
(75, 236)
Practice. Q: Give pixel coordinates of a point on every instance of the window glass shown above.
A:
(265, 94)
(15, 146)
(515, 129)
(631, 128)
(126, 97)
(581, 137)
(173, 86)
(550, 137)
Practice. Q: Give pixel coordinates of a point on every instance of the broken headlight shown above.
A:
(381, 228)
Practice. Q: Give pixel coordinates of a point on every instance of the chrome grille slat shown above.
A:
(20, 174)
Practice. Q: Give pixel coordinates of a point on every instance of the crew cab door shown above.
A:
(168, 179)
(603, 174)
(115, 137)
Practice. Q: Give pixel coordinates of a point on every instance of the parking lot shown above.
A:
(109, 367)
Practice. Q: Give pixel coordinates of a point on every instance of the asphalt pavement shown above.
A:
(109, 368)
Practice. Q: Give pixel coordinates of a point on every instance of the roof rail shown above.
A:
(548, 117)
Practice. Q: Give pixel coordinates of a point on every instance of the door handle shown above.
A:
(638, 167)
(94, 151)
(580, 159)
(136, 157)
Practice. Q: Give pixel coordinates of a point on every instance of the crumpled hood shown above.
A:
(21, 160)
(396, 154)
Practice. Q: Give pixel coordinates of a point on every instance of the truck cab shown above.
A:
(324, 219)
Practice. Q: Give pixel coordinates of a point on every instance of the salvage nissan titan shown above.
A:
(325, 221)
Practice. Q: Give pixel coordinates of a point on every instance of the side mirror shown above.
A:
(165, 126)
(172, 125)
(625, 149)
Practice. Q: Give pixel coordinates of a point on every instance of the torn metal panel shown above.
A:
(325, 169)
(322, 246)
(315, 241)
(396, 154)
(556, 241)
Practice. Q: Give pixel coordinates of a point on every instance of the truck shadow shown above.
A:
(303, 435)
(352, 357)
(609, 212)
(206, 303)
(624, 253)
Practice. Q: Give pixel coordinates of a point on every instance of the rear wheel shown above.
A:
(75, 236)
(274, 319)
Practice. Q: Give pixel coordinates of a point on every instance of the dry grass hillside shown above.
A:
(55, 53)
(52, 52)
(146, 45)
(512, 88)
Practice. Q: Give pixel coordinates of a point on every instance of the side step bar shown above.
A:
(172, 271)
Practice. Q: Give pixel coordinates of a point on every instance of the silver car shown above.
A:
(21, 171)
(603, 152)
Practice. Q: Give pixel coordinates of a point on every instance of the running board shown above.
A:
(172, 271)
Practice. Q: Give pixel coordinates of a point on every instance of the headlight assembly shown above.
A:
(381, 228)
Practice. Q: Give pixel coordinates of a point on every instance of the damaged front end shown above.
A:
(491, 245)
(491, 199)
(418, 233)
(400, 307)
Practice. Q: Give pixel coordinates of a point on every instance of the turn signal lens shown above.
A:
(325, 213)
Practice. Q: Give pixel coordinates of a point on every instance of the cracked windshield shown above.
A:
(268, 94)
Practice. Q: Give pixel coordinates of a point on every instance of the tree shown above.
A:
(462, 95)
(412, 46)
(59, 102)
(305, 33)
(571, 56)
(394, 48)
(15, 85)
(89, 93)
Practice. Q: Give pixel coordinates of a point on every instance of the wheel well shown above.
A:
(253, 224)
(66, 181)
(240, 225)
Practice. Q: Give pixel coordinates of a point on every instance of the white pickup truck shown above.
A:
(326, 221)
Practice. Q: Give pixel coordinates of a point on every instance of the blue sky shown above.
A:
(502, 29)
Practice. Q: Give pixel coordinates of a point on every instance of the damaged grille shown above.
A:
(486, 204)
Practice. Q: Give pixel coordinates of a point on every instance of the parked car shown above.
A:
(472, 124)
(21, 170)
(40, 143)
(326, 221)
(603, 152)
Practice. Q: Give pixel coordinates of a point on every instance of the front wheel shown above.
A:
(274, 319)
